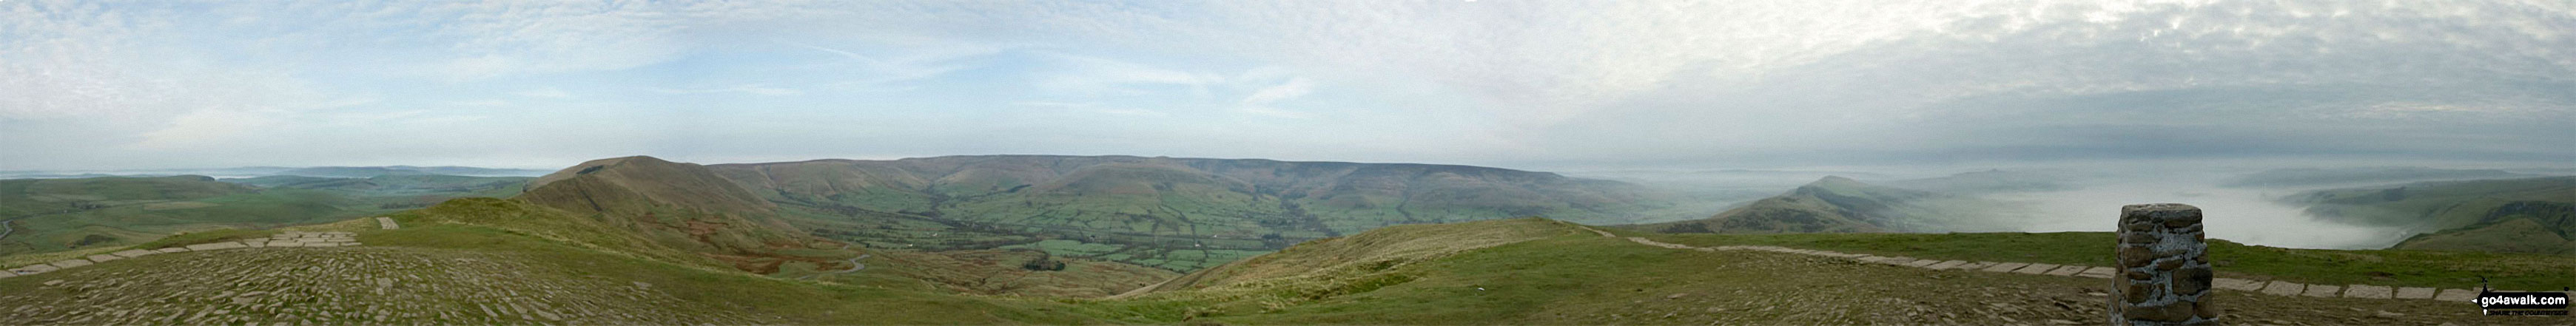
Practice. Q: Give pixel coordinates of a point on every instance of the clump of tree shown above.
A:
(1043, 262)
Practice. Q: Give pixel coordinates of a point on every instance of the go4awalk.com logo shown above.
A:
(2503, 303)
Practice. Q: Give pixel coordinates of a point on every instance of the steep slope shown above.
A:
(1832, 204)
(675, 204)
(1177, 213)
(2530, 215)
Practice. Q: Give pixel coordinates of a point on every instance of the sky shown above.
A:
(91, 85)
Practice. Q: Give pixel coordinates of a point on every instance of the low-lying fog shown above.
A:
(2242, 215)
(2238, 213)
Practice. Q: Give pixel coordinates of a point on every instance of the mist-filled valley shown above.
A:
(2247, 203)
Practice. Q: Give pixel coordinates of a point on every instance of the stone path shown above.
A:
(387, 223)
(287, 239)
(2278, 288)
(369, 285)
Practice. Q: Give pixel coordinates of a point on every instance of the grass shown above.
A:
(2445, 269)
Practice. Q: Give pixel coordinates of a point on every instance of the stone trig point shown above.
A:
(2163, 268)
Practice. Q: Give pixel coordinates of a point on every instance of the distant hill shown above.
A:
(1991, 181)
(1177, 213)
(25, 197)
(2530, 215)
(49, 215)
(2345, 177)
(373, 171)
(396, 184)
(1834, 205)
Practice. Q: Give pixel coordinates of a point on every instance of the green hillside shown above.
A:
(1177, 213)
(1835, 205)
(57, 215)
(677, 205)
(2531, 215)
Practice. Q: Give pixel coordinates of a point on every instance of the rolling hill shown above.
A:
(1177, 213)
(1992, 181)
(50, 215)
(55, 215)
(1835, 205)
(2529, 215)
(2347, 177)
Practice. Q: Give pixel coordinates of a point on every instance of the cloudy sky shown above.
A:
(1539, 84)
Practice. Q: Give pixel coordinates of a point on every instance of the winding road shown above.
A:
(854, 265)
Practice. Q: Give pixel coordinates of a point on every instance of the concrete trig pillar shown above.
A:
(2163, 268)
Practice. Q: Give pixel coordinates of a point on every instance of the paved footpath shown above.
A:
(2277, 288)
(287, 239)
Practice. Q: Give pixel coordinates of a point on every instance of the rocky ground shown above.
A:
(339, 285)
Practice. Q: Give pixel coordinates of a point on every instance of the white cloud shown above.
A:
(1293, 88)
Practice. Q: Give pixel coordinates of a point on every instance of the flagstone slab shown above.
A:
(1947, 264)
(103, 257)
(70, 263)
(2457, 295)
(2369, 292)
(1921, 263)
(2097, 272)
(32, 269)
(135, 253)
(2236, 284)
(2005, 267)
(2323, 291)
(217, 246)
(2284, 288)
(2415, 293)
(171, 250)
(2036, 268)
(2068, 270)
